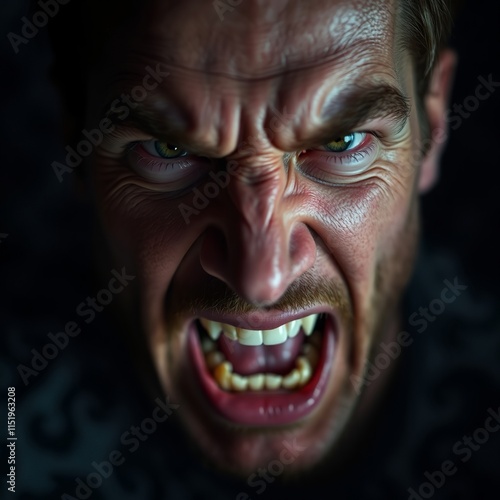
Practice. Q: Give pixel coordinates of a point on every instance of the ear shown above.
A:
(435, 106)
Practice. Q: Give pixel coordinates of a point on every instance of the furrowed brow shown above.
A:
(357, 104)
(147, 117)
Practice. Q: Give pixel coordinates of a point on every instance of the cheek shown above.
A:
(144, 228)
(361, 225)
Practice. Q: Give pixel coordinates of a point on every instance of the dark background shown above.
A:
(75, 410)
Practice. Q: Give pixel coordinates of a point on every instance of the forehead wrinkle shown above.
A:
(257, 39)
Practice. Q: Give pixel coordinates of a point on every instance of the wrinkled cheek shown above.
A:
(142, 230)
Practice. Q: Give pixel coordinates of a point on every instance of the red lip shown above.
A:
(273, 407)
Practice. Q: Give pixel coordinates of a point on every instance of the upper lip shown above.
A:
(262, 320)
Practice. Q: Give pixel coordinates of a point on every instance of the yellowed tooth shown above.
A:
(214, 358)
(304, 369)
(273, 381)
(292, 380)
(213, 328)
(308, 323)
(256, 382)
(222, 374)
(238, 383)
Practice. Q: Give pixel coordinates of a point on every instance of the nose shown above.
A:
(261, 246)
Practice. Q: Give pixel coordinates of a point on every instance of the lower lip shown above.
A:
(266, 408)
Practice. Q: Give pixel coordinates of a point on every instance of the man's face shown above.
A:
(264, 174)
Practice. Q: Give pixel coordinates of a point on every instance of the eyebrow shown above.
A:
(357, 104)
(348, 110)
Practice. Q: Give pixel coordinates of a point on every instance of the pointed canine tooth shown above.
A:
(238, 383)
(275, 336)
(292, 380)
(273, 381)
(214, 358)
(229, 331)
(249, 337)
(308, 323)
(213, 328)
(304, 369)
(256, 382)
(294, 327)
(222, 374)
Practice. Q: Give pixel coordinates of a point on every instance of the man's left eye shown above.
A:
(345, 156)
(163, 149)
(345, 142)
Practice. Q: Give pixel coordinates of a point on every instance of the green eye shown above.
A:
(340, 144)
(166, 150)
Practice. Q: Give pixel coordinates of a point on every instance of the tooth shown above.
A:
(222, 375)
(308, 323)
(304, 369)
(249, 337)
(207, 344)
(275, 336)
(256, 382)
(213, 328)
(294, 327)
(229, 331)
(238, 383)
(292, 380)
(214, 358)
(273, 381)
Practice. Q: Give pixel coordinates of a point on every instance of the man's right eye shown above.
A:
(163, 162)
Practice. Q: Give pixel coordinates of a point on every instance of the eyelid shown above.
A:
(330, 167)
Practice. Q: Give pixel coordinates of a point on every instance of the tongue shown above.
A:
(247, 360)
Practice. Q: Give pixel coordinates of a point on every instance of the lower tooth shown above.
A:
(238, 383)
(273, 381)
(222, 375)
(256, 382)
(291, 381)
(214, 358)
(304, 369)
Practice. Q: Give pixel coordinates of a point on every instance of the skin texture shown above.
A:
(292, 229)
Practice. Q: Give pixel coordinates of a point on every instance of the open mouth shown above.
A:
(265, 377)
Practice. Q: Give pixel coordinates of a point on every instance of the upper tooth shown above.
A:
(258, 337)
(294, 327)
(249, 337)
(213, 328)
(308, 323)
(229, 331)
(275, 336)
